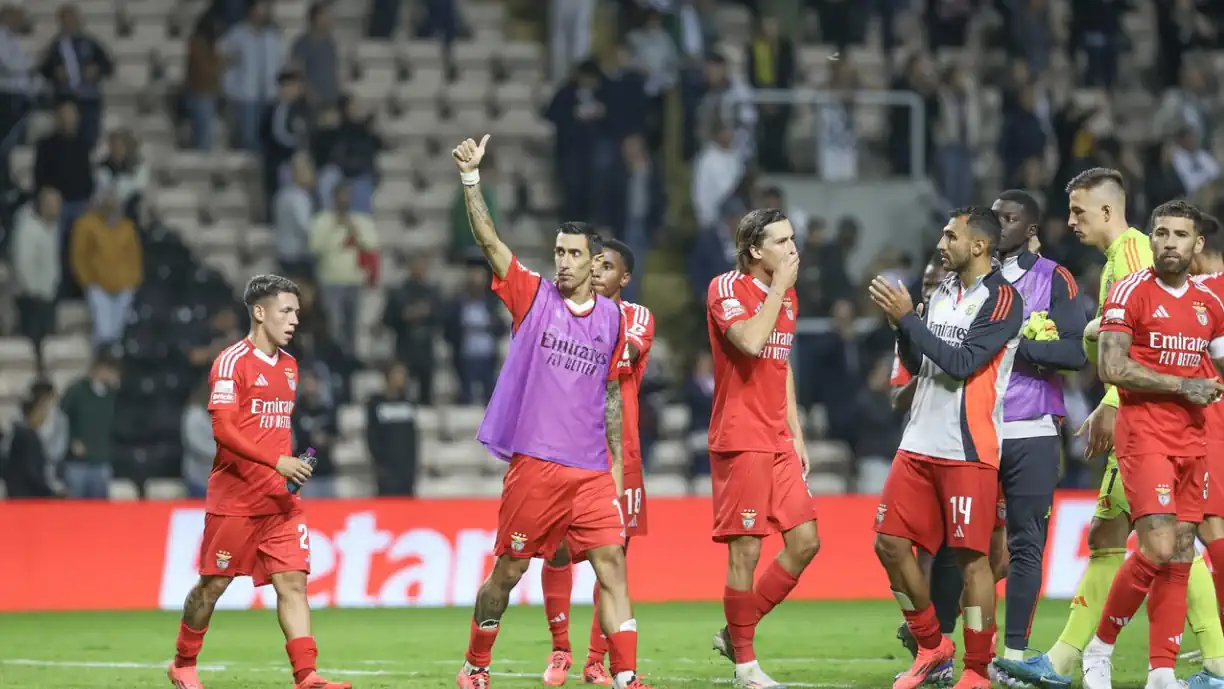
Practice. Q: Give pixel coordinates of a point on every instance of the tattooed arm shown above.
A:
(1118, 368)
(468, 155)
(612, 422)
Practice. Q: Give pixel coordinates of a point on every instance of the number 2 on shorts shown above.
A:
(962, 509)
(304, 537)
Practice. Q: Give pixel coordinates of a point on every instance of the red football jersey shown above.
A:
(258, 393)
(749, 410)
(640, 332)
(1173, 331)
(900, 374)
(1215, 412)
(518, 292)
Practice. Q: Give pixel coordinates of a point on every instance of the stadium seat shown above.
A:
(826, 484)
(165, 489)
(350, 452)
(352, 487)
(669, 456)
(665, 485)
(352, 421)
(702, 485)
(463, 421)
(817, 421)
(16, 352)
(452, 486)
(123, 489)
(674, 420)
(3, 490)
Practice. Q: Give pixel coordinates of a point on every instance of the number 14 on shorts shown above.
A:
(962, 509)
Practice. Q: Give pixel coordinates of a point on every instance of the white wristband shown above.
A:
(469, 179)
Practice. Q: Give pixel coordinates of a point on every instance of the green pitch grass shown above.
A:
(803, 644)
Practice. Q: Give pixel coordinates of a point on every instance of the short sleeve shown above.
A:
(224, 380)
(641, 328)
(517, 290)
(901, 376)
(723, 304)
(620, 355)
(1118, 312)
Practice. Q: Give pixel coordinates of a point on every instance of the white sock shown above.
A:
(1162, 676)
(468, 668)
(623, 678)
(1097, 644)
(746, 667)
(1013, 654)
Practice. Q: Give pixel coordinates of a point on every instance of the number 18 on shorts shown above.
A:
(931, 502)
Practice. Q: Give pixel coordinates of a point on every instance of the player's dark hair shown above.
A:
(317, 9)
(595, 242)
(1095, 177)
(1032, 210)
(1204, 224)
(751, 233)
(981, 221)
(623, 249)
(267, 286)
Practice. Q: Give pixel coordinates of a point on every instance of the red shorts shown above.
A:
(1214, 505)
(255, 546)
(1160, 484)
(633, 504)
(545, 504)
(933, 501)
(758, 493)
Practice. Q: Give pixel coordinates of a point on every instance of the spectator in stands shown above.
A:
(251, 51)
(391, 434)
(345, 244)
(53, 432)
(202, 81)
(840, 365)
(1097, 26)
(16, 70)
(958, 134)
(62, 162)
(36, 266)
(124, 171)
(199, 447)
(317, 57)
(713, 252)
(473, 327)
(1162, 182)
(727, 101)
(947, 23)
(835, 282)
(462, 241)
(414, 313)
(441, 20)
(292, 210)
(1181, 28)
(579, 112)
(76, 63)
(1195, 165)
(283, 131)
(842, 22)
(636, 203)
(1187, 105)
(836, 138)
(313, 346)
(351, 155)
(699, 398)
(569, 34)
(209, 338)
(1025, 136)
(108, 264)
(26, 471)
(654, 52)
(772, 197)
(315, 426)
(771, 65)
(717, 172)
(630, 112)
(919, 77)
(383, 18)
(89, 405)
(878, 429)
(1029, 32)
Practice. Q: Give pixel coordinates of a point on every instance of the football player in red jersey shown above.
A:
(612, 273)
(253, 525)
(1157, 327)
(758, 459)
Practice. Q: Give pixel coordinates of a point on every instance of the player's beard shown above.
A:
(1167, 266)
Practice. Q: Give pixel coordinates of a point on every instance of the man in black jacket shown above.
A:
(391, 434)
(25, 465)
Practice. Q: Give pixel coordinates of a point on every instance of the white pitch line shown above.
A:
(524, 675)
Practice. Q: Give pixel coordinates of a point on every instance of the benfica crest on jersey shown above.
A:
(789, 306)
(1201, 310)
(292, 380)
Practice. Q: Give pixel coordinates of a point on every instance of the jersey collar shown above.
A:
(1178, 292)
(269, 360)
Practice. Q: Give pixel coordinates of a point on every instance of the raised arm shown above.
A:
(467, 156)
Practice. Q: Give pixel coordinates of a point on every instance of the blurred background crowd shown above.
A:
(155, 154)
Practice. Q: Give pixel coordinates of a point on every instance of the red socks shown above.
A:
(773, 587)
(1166, 607)
(742, 614)
(480, 644)
(598, 646)
(979, 649)
(925, 627)
(188, 645)
(1130, 587)
(302, 654)
(558, 584)
(622, 646)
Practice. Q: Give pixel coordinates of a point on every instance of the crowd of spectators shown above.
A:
(82, 231)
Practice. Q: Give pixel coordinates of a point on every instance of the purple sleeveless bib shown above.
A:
(1032, 393)
(550, 395)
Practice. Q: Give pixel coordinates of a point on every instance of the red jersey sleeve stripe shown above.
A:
(1072, 285)
(726, 285)
(1003, 302)
(229, 360)
(1124, 288)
